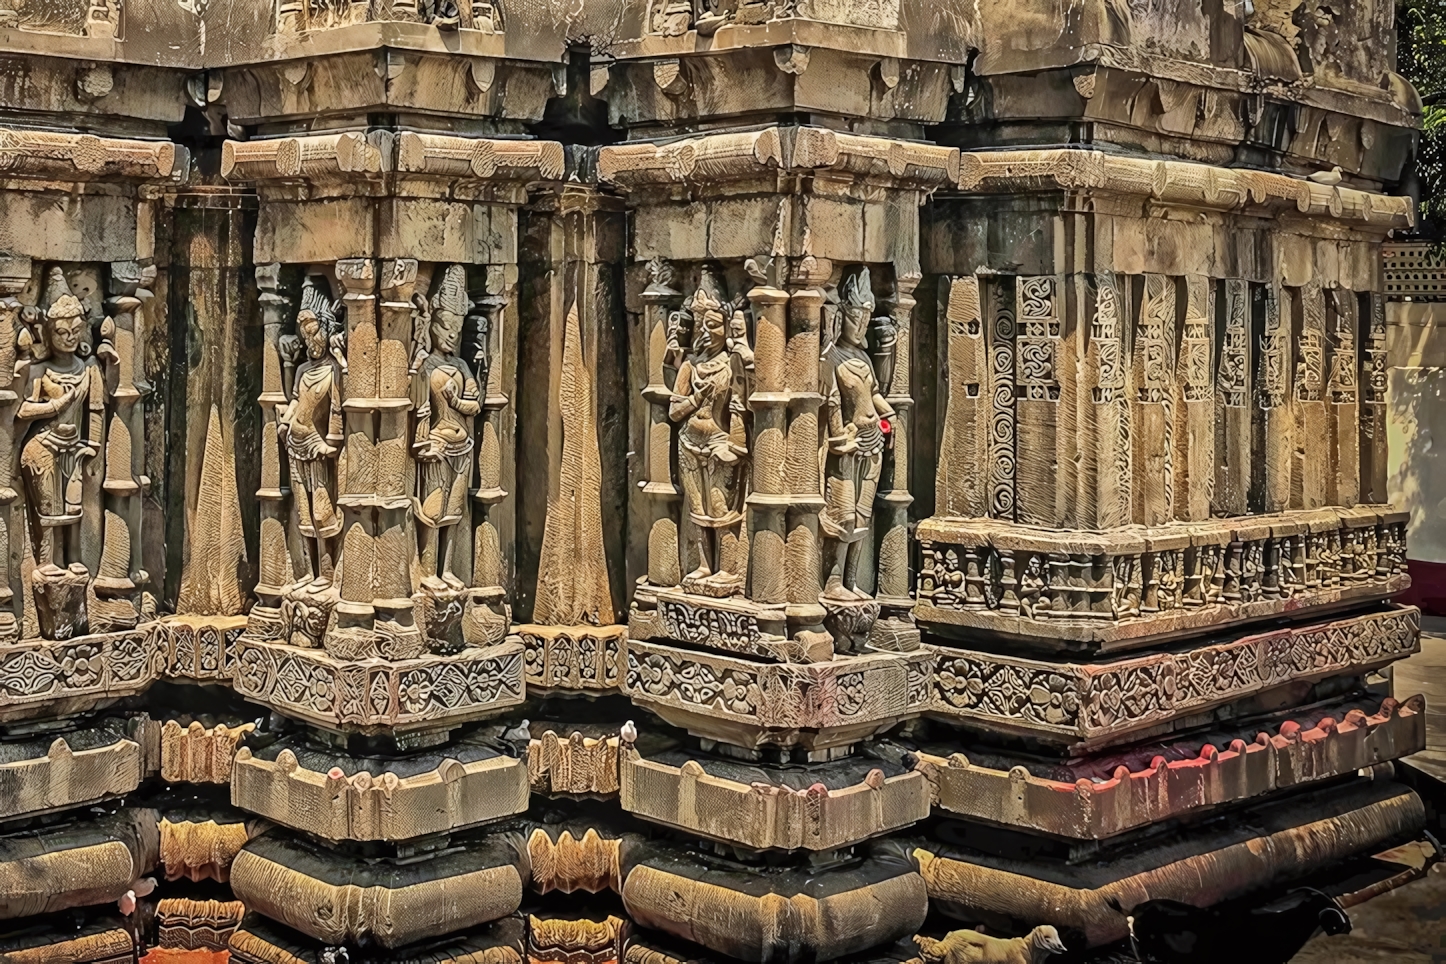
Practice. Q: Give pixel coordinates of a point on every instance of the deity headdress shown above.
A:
(315, 299)
(58, 301)
(857, 290)
(451, 295)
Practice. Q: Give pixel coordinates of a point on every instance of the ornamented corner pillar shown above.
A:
(276, 570)
(15, 273)
(493, 528)
(770, 496)
(361, 577)
(120, 574)
(802, 549)
(894, 367)
(395, 625)
(660, 301)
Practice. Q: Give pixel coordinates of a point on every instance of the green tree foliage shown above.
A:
(1421, 59)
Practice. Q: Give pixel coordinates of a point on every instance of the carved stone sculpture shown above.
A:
(709, 400)
(63, 407)
(311, 428)
(446, 403)
(980, 511)
(858, 432)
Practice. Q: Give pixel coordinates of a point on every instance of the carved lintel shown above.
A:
(1177, 182)
(722, 157)
(83, 157)
(443, 154)
(320, 157)
(749, 703)
(314, 157)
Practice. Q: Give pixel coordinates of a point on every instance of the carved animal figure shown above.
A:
(972, 947)
(1172, 932)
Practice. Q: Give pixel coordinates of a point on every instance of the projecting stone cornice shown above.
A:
(348, 156)
(802, 150)
(1176, 182)
(85, 157)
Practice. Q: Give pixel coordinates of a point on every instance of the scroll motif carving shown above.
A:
(1106, 700)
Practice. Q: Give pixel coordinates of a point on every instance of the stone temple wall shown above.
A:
(682, 480)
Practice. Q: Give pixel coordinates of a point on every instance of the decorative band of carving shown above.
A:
(364, 806)
(1175, 182)
(434, 690)
(36, 675)
(195, 754)
(720, 157)
(576, 764)
(573, 657)
(113, 764)
(199, 647)
(1217, 863)
(328, 156)
(765, 816)
(340, 899)
(85, 156)
(844, 692)
(193, 925)
(1104, 588)
(1090, 810)
(1107, 699)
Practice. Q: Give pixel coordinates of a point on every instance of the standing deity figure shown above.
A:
(858, 432)
(709, 398)
(64, 404)
(311, 426)
(447, 398)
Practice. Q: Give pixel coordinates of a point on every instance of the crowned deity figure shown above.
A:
(64, 406)
(709, 398)
(447, 398)
(858, 420)
(311, 427)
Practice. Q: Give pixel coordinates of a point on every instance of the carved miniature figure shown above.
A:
(64, 404)
(709, 398)
(311, 427)
(447, 399)
(858, 429)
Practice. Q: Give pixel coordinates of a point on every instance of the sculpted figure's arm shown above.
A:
(842, 436)
(684, 402)
(469, 402)
(34, 406)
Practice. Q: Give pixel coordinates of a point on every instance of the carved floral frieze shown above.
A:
(1098, 701)
(430, 690)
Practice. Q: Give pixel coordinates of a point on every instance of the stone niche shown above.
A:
(680, 480)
